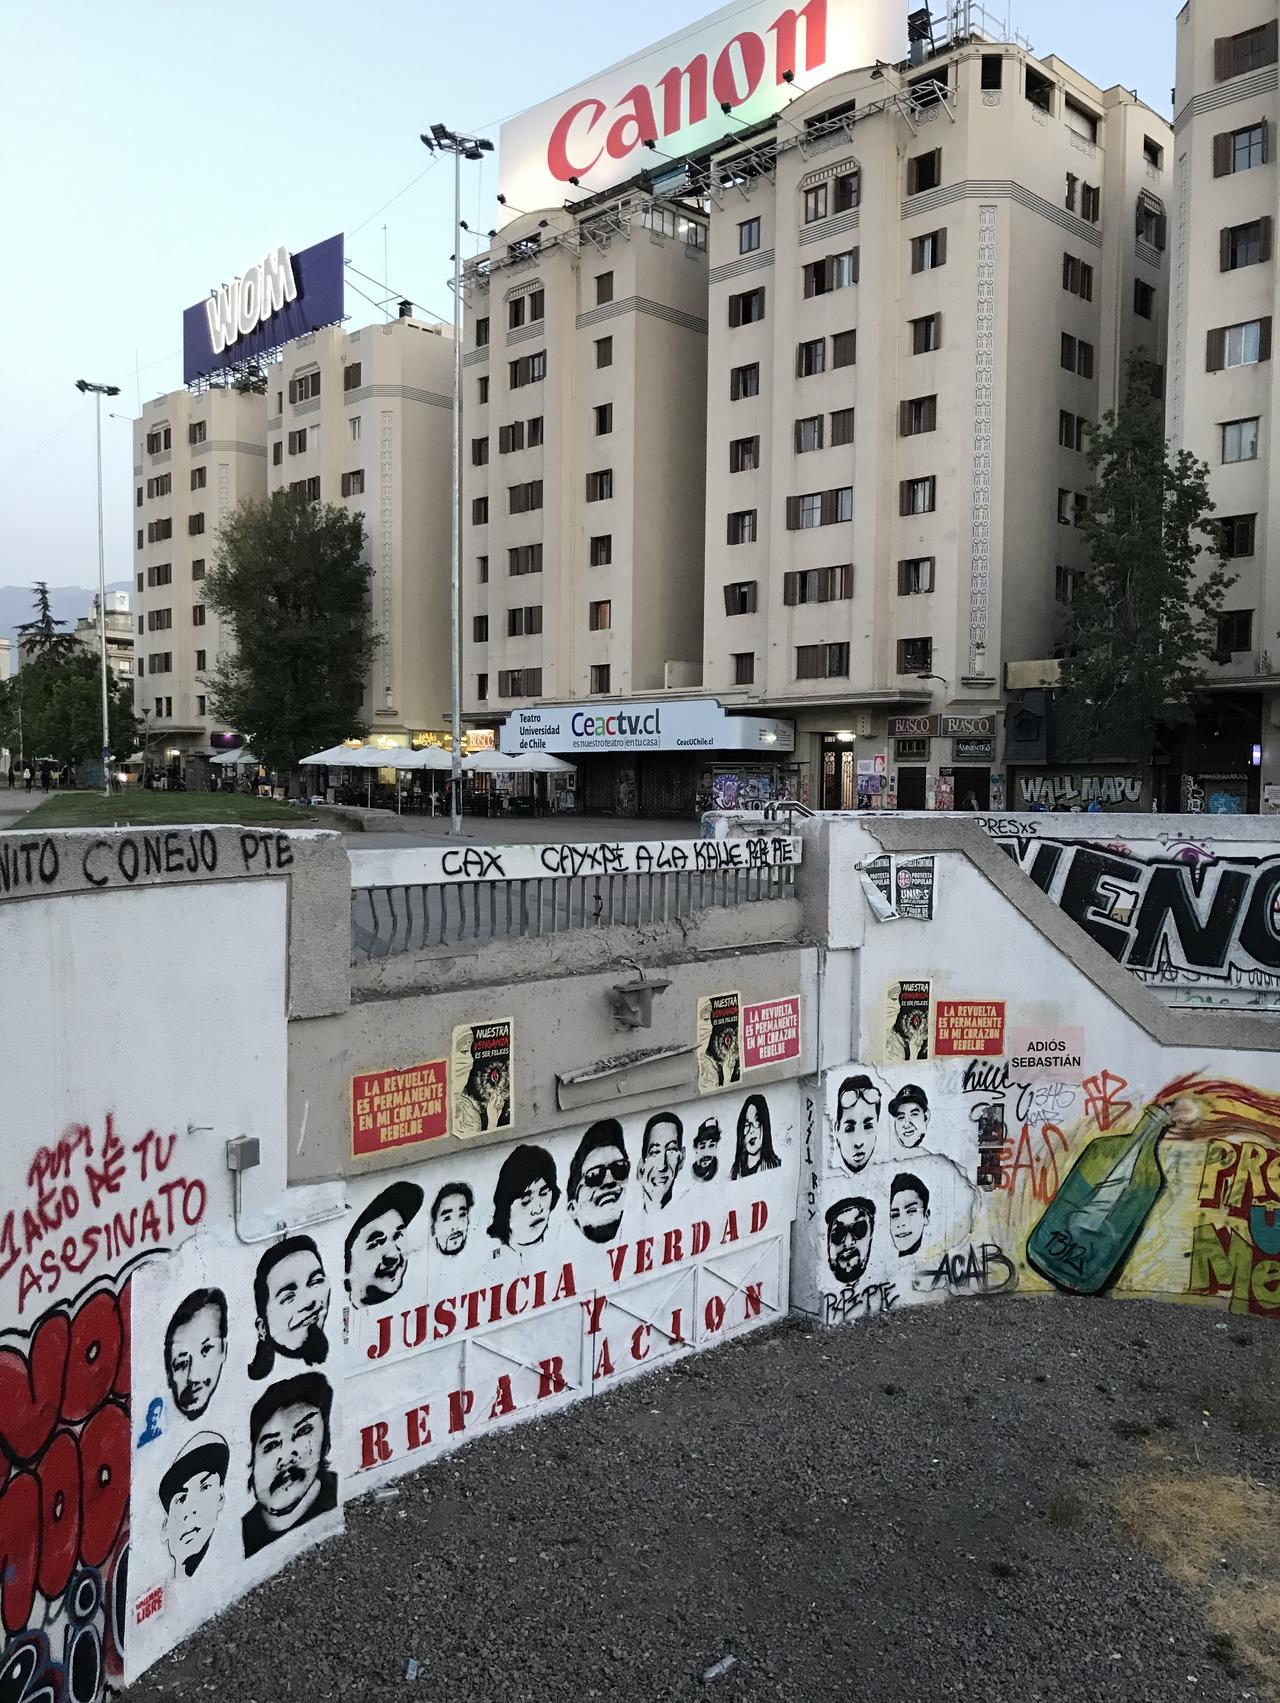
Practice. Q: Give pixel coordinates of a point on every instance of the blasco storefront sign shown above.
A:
(702, 725)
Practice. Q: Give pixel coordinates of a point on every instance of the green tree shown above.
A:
(43, 636)
(53, 708)
(1145, 611)
(290, 579)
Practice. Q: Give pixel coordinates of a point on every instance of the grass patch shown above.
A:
(1063, 1509)
(159, 809)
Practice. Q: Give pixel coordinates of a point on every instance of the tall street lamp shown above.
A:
(445, 141)
(98, 391)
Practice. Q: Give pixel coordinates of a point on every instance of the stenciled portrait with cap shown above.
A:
(192, 1494)
(374, 1252)
(909, 1109)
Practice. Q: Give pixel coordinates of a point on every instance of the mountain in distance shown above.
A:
(69, 603)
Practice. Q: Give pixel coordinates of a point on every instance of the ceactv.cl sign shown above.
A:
(672, 93)
(620, 726)
(697, 724)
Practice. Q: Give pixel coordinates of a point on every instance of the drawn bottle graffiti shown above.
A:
(1089, 1227)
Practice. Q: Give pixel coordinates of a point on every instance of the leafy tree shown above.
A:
(291, 580)
(53, 708)
(42, 637)
(1145, 610)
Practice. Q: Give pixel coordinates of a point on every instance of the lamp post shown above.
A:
(445, 141)
(98, 391)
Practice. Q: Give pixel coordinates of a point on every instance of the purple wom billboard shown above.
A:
(280, 297)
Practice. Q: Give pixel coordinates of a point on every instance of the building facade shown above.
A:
(119, 634)
(1222, 378)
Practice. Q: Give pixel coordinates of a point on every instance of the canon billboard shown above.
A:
(672, 93)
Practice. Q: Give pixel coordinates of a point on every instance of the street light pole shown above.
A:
(445, 141)
(98, 391)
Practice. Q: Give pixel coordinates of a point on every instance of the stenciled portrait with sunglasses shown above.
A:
(597, 1184)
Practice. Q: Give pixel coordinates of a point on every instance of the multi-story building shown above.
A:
(924, 282)
(362, 419)
(196, 454)
(1222, 384)
(119, 634)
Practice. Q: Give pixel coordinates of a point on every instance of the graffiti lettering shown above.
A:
(475, 861)
(1034, 1156)
(849, 1302)
(987, 1270)
(1102, 1100)
(266, 851)
(28, 863)
(1058, 792)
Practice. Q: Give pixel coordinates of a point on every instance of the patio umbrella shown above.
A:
(229, 759)
(335, 757)
(543, 763)
(491, 763)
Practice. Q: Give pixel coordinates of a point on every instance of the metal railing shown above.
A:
(449, 899)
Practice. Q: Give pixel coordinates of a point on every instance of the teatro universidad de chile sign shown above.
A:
(282, 295)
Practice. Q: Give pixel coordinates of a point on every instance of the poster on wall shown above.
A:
(719, 1041)
(481, 1087)
(770, 1032)
(905, 886)
(969, 1028)
(398, 1108)
(907, 1018)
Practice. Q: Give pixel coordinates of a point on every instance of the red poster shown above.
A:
(397, 1108)
(771, 1032)
(969, 1028)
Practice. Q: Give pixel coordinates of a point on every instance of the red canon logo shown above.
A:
(579, 139)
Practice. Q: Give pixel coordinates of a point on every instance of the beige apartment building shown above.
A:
(119, 635)
(1222, 384)
(923, 284)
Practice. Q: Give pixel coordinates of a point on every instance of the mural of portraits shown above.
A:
(451, 1218)
(291, 1303)
(525, 1197)
(857, 1121)
(908, 1212)
(192, 1494)
(909, 1109)
(597, 1183)
(374, 1248)
(661, 1159)
(851, 1223)
(706, 1150)
(195, 1350)
(755, 1139)
(289, 1472)
(153, 1429)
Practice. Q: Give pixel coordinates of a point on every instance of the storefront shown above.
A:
(918, 762)
(661, 758)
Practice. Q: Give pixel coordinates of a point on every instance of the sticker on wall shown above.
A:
(481, 1087)
(719, 1042)
(1048, 1053)
(907, 1021)
(770, 1032)
(398, 1108)
(969, 1028)
(913, 882)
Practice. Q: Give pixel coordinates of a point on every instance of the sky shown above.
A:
(154, 150)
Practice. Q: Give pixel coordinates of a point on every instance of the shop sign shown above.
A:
(694, 725)
(972, 750)
(914, 726)
(968, 726)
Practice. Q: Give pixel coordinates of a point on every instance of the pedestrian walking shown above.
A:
(46, 777)
(13, 775)
(27, 777)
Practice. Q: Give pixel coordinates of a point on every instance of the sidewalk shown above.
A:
(14, 804)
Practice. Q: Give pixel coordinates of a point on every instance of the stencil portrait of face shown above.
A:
(195, 1350)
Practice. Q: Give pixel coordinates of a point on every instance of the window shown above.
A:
(298, 441)
(521, 621)
(1080, 121)
(1151, 222)
(742, 527)
(819, 508)
(277, 453)
(1236, 534)
(1234, 55)
(744, 455)
(600, 550)
(515, 313)
(200, 709)
(304, 387)
(926, 334)
(1240, 150)
(747, 308)
(482, 333)
(1235, 630)
(521, 499)
(841, 426)
(600, 485)
(808, 434)
(308, 488)
(524, 559)
(199, 478)
(1072, 182)
(482, 389)
(1079, 508)
(817, 585)
(992, 71)
(139, 496)
(160, 662)
(1144, 299)
(604, 352)
(511, 437)
(844, 348)
(1077, 277)
(1244, 245)
(479, 511)
(195, 524)
(141, 582)
(1039, 90)
(918, 415)
(1239, 345)
(479, 452)
(353, 483)
(811, 358)
(1064, 585)
(822, 662)
(1064, 507)
(600, 678)
(600, 616)
(537, 305)
(924, 171)
(534, 438)
(744, 667)
(744, 381)
(915, 576)
(351, 376)
(1153, 153)
(918, 496)
(161, 574)
(848, 188)
(1077, 355)
(520, 683)
(528, 369)
(482, 687)
(197, 431)
(161, 485)
(197, 569)
(929, 251)
(604, 419)
(201, 661)
(815, 203)
(159, 529)
(915, 656)
(1070, 430)
(748, 236)
(1240, 440)
(160, 439)
(197, 615)
(480, 629)
(740, 598)
(159, 620)
(604, 288)
(482, 570)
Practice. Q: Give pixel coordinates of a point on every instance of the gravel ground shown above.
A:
(919, 1507)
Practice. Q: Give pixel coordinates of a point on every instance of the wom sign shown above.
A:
(279, 297)
(672, 93)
